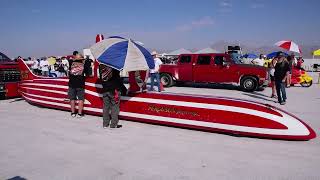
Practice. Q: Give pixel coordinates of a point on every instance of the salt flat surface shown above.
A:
(38, 143)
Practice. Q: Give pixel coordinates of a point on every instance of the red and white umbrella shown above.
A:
(99, 38)
(289, 45)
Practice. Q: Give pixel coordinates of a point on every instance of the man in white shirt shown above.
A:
(35, 66)
(44, 67)
(154, 73)
(65, 64)
(259, 61)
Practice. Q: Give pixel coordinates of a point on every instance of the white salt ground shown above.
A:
(38, 144)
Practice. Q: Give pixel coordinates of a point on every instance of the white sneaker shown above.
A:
(73, 115)
(80, 115)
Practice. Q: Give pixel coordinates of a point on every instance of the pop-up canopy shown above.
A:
(316, 52)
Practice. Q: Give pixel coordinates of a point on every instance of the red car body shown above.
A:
(213, 68)
(9, 77)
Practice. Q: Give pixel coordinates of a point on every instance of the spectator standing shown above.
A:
(60, 68)
(154, 73)
(76, 83)
(271, 72)
(35, 66)
(44, 65)
(300, 61)
(65, 64)
(29, 62)
(111, 83)
(290, 60)
(281, 73)
(259, 61)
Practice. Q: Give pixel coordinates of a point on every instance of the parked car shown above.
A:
(214, 68)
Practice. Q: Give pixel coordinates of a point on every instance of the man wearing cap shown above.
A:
(281, 73)
(111, 85)
(154, 73)
(77, 72)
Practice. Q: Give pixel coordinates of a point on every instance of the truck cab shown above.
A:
(9, 77)
(213, 68)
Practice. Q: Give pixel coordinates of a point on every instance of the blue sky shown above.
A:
(39, 28)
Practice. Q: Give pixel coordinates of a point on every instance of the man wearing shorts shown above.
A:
(76, 83)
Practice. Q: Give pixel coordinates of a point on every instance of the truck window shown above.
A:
(218, 60)
(204, 60)
(185, 59)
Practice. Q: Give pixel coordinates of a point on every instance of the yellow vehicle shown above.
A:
(267, 62)
(304, 79)
(299, 75)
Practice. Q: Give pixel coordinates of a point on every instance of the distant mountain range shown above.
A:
(247, 48)
(306, 49)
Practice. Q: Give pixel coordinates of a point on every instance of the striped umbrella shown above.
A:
(289, 45)
(99, 38)
(122, 54)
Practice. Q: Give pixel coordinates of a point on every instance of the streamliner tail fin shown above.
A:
(25, 71)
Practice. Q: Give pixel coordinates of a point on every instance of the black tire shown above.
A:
(248, 84)
(2, 96)
(179, 83)
(305, 84)
(166, 80)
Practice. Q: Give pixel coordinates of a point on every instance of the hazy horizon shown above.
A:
(40, 28)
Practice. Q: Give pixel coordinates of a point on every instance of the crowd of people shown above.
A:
(49, 66)
(262, 60)
(112, 87)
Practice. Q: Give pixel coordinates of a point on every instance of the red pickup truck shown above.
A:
(9, 77)
(214, 68)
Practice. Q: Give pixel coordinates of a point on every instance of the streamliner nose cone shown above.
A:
(99, 38)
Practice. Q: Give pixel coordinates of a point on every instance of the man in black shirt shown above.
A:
(77, 69)
(111, 83)
(281, 73)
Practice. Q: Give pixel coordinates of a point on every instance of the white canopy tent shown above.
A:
(179, 51)
(207, 51)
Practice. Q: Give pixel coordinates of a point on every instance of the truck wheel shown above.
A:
(2, 96)
(248, 84)
(166, 80)
(306, 84)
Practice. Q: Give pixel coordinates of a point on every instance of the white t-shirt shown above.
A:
(65, 64)
(35, 64)
(44, 65)
(258, 61)
(157, 63)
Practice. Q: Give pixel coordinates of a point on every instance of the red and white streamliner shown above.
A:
(289, 45)
(208, 113)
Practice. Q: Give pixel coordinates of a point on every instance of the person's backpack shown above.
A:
(105, 72)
